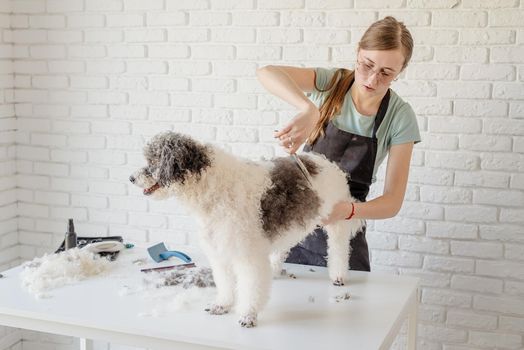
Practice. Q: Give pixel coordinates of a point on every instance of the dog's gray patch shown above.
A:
(289, 200)
(172, 157)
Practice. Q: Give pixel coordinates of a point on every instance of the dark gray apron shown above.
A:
(355, 155)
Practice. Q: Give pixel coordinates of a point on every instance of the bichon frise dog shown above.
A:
(251, 213)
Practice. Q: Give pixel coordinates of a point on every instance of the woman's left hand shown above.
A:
(340, 211)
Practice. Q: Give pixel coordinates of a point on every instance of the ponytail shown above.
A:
(330, 108)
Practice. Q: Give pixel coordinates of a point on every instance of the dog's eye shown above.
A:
(147, 171)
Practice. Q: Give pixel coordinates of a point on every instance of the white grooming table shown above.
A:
(301, 313)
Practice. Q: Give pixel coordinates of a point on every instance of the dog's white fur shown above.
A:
(226, 198)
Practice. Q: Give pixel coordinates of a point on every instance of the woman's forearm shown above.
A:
(280, 84)
(382, 207)
(379, 208)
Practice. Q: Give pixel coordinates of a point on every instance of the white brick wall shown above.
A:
(94, 79)
(9, 249)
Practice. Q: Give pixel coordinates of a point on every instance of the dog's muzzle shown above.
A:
(147, 191)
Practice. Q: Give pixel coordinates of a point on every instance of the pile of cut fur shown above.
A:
(55, 270)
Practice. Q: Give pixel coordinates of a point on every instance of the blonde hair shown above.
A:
(385, 34)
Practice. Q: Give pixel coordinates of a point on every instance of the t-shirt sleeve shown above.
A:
(406, 127)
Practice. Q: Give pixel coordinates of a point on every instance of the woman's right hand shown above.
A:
(297, 131)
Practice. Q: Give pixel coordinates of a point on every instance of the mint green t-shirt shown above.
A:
(398, 126)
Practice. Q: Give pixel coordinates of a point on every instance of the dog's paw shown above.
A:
(248, 321)
(217, 309)
(338, 282)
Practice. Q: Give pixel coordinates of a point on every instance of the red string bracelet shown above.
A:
(352, 212)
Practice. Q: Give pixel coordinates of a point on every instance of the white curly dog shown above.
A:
(250, 213)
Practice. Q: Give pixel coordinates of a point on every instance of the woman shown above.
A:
(355, 119)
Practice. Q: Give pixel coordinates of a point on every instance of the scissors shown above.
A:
(303, 169)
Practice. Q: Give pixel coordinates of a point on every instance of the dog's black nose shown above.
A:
(132, 179)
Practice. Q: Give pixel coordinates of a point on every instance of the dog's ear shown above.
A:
(180, 157)
(168, 170)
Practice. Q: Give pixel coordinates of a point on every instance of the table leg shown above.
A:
(412, 325)
(86, 344)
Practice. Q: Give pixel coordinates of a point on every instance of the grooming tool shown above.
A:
(70, 236)
(105, 246)
(170, 267)
(303, 169)
(159, 252)
(83, 241)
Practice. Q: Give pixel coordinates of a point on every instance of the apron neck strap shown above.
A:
(381, 112)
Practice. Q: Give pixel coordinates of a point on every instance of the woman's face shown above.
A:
(376, 69)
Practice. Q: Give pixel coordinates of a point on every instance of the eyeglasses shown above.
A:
(367, 70)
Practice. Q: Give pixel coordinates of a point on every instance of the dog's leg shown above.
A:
(339, 235)
(277, 259)
(254, 284)
(223, 277)
(225, 282)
